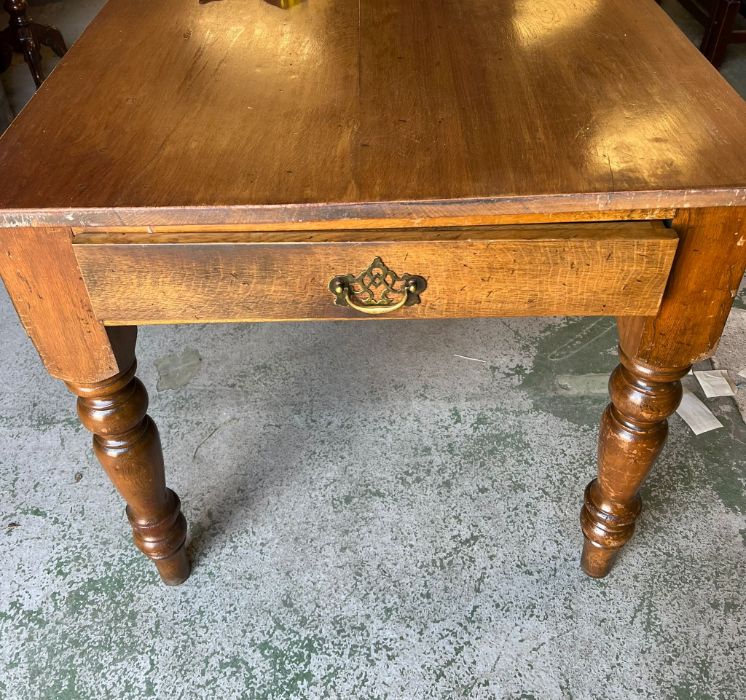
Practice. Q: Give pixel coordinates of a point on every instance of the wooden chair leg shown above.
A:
(127, 444)
(719, 30)
(633, 430)
(27, 37)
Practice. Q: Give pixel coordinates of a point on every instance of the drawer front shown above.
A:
(615, 270)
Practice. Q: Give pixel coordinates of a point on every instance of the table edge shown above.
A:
(657, 202)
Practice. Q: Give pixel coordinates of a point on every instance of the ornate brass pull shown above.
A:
(372, 290)
(343, 290)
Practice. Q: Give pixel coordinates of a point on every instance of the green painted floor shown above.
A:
(373, 515)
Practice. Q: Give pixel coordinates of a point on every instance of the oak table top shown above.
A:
(372, 109)
(235, 161)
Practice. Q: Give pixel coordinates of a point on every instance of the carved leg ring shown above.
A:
(126, 442)
(633, 430)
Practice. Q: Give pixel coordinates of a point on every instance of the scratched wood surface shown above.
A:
(176, 112)
(597, 269)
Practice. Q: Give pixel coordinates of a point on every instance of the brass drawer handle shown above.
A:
(372, 290)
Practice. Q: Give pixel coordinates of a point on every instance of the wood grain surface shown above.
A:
(43, 280)
(710, 265)
(381, 224)
(616, 230)
(241, 112)
(597, 269)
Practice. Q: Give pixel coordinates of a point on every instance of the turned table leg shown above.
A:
(126, 442)
(656, 352)
(633, 430)
(41, 273)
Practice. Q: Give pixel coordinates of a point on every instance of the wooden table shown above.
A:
(236, 161)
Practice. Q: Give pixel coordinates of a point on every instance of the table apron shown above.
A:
(590, 270)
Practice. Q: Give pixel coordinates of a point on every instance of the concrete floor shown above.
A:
(399, 522)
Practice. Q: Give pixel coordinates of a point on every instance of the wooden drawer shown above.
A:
(615, 269)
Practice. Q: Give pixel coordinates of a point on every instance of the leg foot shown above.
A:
(609, 527)
(633, 431)
(164, 541)
(51, 37)
(127, 444)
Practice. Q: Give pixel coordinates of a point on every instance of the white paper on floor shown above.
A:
(696, 415)
(715, 382)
